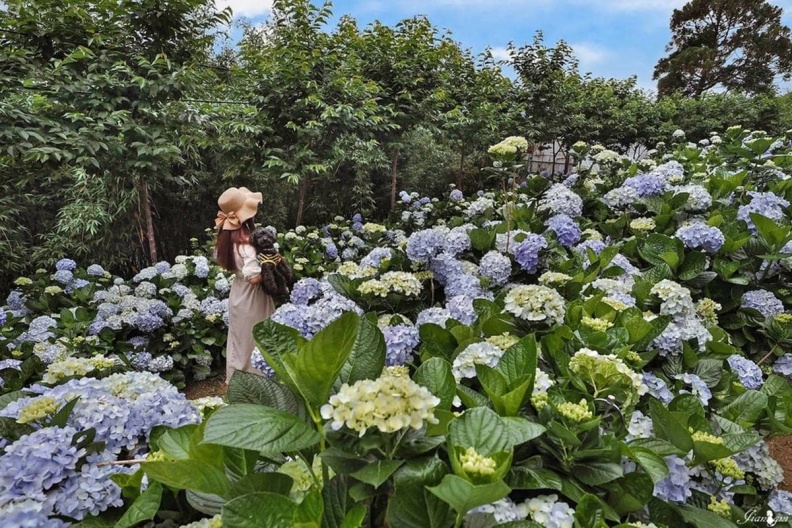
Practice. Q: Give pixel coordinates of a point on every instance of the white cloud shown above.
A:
(500, 53)
(246, 8)
(589, 53)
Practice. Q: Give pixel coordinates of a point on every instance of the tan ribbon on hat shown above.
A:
(231, 218)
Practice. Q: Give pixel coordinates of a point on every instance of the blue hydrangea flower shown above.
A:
(676, 486)
(10, 364)
(63, 276)
(698, 235)
(3, 317)
(747, 371)
(658, 387)
(213, 305)
(646, 184)
(306, 290)
(464, 284)
(201, 267)
(424, 245)
(349, 254)
(698, 387)
(763, 301)
(162, 267)
(357, 217)
(259, 362)
(566, 230)
(65, 265)
(400, 341)
(146, 274)
(445, 267)
(375, 257)
(496, 267)
(461, 308)
(456, 196)
(160, 364)
(95, 270)
(405, 197)
(331, 250)
(435, 315)
(766, 204)
(456, 241)
(783, 365)
(16, 303)
(27, 513)
(357, 226)
(39, 329)
(147, 322)
(526, 253)
(780, 502)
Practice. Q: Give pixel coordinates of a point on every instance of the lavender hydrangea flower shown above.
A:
(146, 274)
(657, 387)
(95, 270)
(405, 197)
(566, 230)
(306, 290)
(647, 184)
(375, 257)
(561, 200)
(766, 204)
(763, 301)
(456, 241)
(461, 308)
(698, 235)
(39, 329)
(424, 245)
(747, 371)
(780, 502)
(160, 364)
(16, 303)
(526, 253)
(357, 217)
(65, 265)
(783, 365)
(201, 267)
(456, 196)
(676, 486)
(400, 341)
(63, 276)
(496, 267)
(698, 387)
(434, 315)
(162, 267)
(259, 362)
(331, 250)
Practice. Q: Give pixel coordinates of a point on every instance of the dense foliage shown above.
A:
(606, 348)
(121, 122)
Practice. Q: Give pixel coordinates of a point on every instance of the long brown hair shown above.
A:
(227, 240)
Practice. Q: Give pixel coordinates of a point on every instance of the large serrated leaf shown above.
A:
(259, 428)
(247, 387)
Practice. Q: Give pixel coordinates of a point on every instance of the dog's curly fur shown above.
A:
(277, 279)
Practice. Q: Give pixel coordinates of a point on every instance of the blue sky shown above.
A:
(611, 38)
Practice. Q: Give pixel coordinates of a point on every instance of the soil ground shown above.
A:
(214, 386)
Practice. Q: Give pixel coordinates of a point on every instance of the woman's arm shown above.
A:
(251, 269)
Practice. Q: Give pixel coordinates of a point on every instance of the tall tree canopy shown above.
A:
(739, 45)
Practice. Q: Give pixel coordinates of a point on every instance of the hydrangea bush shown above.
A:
(610, 347)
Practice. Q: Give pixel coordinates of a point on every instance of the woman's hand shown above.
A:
(255, 280)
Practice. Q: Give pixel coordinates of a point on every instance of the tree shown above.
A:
(738, 45)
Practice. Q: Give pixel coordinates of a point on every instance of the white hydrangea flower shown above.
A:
(535, 303)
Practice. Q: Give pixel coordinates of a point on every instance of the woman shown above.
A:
(247, 302)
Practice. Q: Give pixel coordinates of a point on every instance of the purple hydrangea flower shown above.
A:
(783, 365)
(357, 226)
(400, 341)
(16, 303)
(357, 217)
(63, 276)
(434, 315)
(698, 235)
(676, 486)
(461, 308)
(456, 241)
(375, 257)
(162, 267)
(496, 267)
(566, 230)
(657, 387)
(65, 265)
(95, 270)
(331, 250)
(763, 301)
(698, 387)
(424, 245)
(201, 267)
(646, 184)
(39, 329)
(749, 373)
(526, 253)
(306, 290)
(766, 204)
(456, 196)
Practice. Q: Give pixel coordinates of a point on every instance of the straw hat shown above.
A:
(236, 206)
